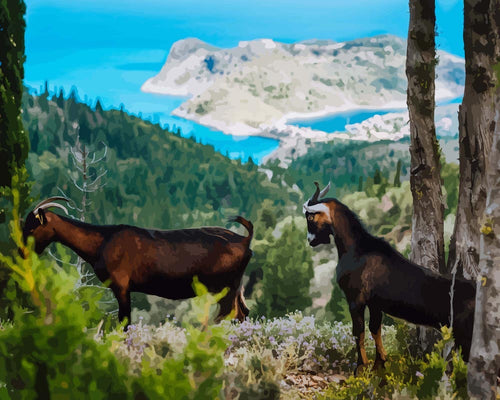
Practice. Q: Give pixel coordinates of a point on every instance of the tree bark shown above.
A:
(476, 127)
(427, 242)
(484, 362)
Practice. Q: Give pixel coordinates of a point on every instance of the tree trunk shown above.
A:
(427, 247)
(476, 126)
(484, 362)
(427, 241)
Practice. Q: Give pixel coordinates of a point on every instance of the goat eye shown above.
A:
(310, 217)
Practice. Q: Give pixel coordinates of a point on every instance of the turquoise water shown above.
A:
(235, 147)
(108, 49)
(119, 76)
(337, 122)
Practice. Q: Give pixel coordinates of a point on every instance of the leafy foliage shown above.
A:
(346, 163)
(14, 146)
(287, 272)
(337, 307)
(151, 178)
(50, 350)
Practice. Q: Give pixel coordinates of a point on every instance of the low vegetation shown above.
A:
(62, 337)
(61, 343)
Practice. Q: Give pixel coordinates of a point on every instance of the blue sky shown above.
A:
(156, 24)
(108, 48)
(85, 42)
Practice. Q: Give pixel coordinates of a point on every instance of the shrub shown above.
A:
(52, 350)
(287, 272)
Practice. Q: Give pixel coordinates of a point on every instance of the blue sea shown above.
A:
(107, 50)
(337, 122)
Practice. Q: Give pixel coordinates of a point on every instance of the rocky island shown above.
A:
(258, 87)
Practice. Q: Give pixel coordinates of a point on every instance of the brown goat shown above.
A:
(157, 262)
(372, 274)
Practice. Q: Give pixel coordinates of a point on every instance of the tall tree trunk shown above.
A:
(427, 241)
(484, 362)
(427, 247)
(476, 126)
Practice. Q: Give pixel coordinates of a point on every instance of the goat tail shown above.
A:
(247, 224)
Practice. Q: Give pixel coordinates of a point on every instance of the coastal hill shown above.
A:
(260, 85)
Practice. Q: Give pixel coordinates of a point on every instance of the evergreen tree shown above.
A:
(85, 131)
(43, 100)
(397, 177)
(360, 184)
(287, 272)
(35, 139)
(377, 176)
(60, 99)
(14, 145)
(98, 106)
(73, 105)
(337, 305)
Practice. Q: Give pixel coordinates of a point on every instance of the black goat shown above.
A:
(161, 263)
(372, 274)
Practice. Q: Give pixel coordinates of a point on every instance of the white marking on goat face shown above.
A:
(310, 237)
(320, 207)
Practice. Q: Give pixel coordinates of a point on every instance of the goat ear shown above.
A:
(41, 216)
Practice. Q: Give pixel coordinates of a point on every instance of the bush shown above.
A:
(408, 377)
(287, 272)
(52, 349)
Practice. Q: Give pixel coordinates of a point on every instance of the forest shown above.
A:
(60, 336)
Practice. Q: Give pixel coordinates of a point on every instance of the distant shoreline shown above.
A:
(295, 139)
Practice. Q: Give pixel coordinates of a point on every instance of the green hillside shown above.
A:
(153, 176)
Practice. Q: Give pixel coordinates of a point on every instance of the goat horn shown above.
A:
(324, 191)
(314, 197)
(47, 205)
(50, 199)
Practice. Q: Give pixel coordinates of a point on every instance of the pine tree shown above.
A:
(60, 99)
(397, 177)
(14, 145)
(360, 184)
(338, 304)
(73, 105)
(98, 106)
(287, 273)
(377, 176)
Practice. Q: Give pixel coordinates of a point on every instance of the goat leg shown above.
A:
(375, 326)
(226, 306)
(124, 308)
(358, 331)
